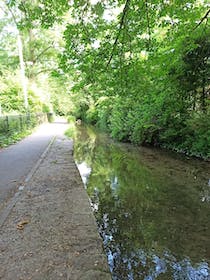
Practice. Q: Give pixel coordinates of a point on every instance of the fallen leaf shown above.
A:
(21, 224)
(29, 194)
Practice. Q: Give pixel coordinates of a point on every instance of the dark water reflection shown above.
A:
(152, 208)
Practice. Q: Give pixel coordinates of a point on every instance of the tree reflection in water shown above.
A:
(149, 208)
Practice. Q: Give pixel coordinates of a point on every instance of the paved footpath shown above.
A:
(48, 230)
(17, 160)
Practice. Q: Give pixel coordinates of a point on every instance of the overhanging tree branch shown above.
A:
(203, 18)
(43, 71)
(120, 28)
(42, 52)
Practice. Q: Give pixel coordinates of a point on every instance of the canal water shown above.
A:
(152, 208)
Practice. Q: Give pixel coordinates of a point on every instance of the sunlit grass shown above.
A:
(71, 131)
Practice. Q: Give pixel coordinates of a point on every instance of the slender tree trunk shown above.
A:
(21, 60)
(31, 48)
(203, 99)
(194, 99)
(22, 71)
(203, 96)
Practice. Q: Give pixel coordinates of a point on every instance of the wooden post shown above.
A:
(7, 123)
(21, 122)
(28, 119)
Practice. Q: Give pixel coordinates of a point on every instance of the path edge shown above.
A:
(7, 209)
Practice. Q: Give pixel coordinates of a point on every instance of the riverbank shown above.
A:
(50, 232)
(152, 207)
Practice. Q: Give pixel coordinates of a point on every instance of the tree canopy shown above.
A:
(143, 67)
(138, 69)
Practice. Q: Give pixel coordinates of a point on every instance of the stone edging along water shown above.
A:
(50, 232)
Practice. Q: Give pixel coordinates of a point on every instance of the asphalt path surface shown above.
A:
(16, 161)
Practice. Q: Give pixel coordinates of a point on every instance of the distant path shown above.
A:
(17, 160)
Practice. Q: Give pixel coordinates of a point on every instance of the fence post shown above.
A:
(21, 122)
(7, 123)
(28, 119)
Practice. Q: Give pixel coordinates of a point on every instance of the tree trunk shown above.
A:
(203, 97)
(22, 71)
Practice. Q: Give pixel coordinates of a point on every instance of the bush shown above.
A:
(71, 119)
(71, 132)
(103, 112)
(92, 115)
(197, 138)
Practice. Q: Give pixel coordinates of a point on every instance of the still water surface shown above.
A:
(152, 208)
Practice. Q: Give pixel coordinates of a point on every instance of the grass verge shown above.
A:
(71, 131)
(9, 139)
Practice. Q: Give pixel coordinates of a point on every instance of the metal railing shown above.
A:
(16, 123)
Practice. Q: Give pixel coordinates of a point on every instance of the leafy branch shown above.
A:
(120, 28)
(203, 18)
(42, 52)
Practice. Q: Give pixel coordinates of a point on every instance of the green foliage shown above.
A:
(104, 106)
(81, 110)
(92, 115)
(45, 108)
(15, 127)
(38, 24)
(197, 135)
(34, 102)
(6, 140)
(61, 102)
(12, 99)
(151, 62)
(118, 121)
(44, 12)
(71, 119)
(71, 131)
(138, 69)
